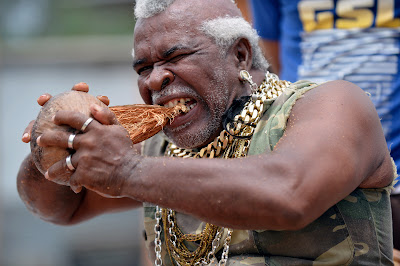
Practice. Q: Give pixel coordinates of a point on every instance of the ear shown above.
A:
(243, 53)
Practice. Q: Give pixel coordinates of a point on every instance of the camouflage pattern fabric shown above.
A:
(355, 231)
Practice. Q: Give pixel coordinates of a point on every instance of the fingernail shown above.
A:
(46, 175)
(25, 136)
(76, 189)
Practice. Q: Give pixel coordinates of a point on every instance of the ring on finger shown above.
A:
(71, 141)
(85, 125)
(69, 163)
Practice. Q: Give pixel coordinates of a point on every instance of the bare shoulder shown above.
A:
(343, 109)
(345, 93)
(344, 103)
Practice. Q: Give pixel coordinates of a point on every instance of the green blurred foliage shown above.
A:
(97, 20)
(43, 18)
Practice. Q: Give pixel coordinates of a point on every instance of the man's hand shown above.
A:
(99, 152)
(44, 98)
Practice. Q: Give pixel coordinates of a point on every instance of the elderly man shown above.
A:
(283, 174)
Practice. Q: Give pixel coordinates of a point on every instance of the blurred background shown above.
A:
(47, 46)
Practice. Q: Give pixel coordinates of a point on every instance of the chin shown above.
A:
(190, 136)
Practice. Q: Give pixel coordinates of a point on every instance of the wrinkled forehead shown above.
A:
(153, 36)
(182, 19)
(163, 24)
(172, 22)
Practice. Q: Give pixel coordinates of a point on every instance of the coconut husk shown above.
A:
(144, 121)
(141, 121)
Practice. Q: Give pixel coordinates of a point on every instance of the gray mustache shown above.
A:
(172, 90)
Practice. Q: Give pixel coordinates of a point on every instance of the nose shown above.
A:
(159, 78)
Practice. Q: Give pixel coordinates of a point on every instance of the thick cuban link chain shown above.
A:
(242, 126)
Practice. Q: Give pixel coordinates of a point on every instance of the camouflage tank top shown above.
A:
(355, 231)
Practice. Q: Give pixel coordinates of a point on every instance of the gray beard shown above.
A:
(219, 94)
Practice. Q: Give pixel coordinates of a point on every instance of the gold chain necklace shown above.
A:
(223, 146)
(243, 126)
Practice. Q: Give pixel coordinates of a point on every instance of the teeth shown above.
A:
(175, 102)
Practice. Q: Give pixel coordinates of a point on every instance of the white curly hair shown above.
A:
(224, 30)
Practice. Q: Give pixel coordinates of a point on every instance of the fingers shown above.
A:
(77, 87)
(43, 99)
(61, 174)
(104, 99)
(65, 139)
(103, 115)
(74, 119)
(59, 139)
(82, 86)
(75, 188)
(26, 136)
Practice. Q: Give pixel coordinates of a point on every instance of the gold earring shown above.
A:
(245, 76)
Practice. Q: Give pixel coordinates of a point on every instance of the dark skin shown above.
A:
(333, 143)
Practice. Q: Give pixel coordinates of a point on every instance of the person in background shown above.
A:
(357, 41)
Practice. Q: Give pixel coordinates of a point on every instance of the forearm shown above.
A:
(225, 192)
(50, 201)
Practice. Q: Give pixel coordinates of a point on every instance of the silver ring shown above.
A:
(69, 163)
(85, 125)
(71, 141)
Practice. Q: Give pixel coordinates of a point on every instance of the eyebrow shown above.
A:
(138, 62)
(173, 50)
(165, 54)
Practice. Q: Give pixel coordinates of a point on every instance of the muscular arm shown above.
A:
(59, 204)
(333, 144)
(51, 202)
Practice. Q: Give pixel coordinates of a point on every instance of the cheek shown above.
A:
(144, 91)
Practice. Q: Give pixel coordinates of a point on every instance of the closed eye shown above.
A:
(141, 71)
(179, 57)
(176, 58)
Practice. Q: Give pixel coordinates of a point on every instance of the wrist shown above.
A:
(128, 174)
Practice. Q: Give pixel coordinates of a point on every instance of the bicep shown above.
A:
(333, 142)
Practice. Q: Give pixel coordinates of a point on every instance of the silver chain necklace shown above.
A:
(210, 258)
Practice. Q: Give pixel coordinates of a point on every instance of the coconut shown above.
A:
(140, 120)
(44, 157)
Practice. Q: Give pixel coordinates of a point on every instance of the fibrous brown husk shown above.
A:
(141, 121)
(144, 121)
